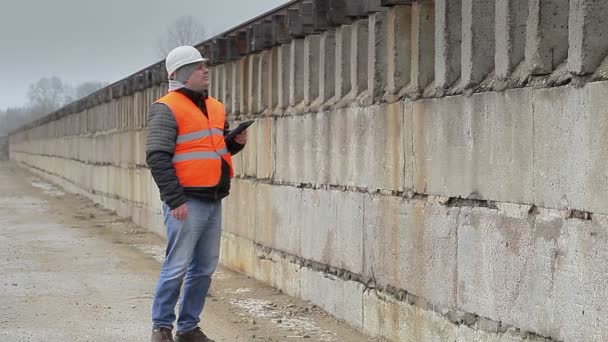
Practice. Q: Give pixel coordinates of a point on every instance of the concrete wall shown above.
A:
(428, 171)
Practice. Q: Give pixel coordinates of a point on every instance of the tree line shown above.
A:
(43, 97)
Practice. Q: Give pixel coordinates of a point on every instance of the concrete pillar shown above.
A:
(343, 49)
(253, 90)
(588, 35)
(398, 48)
(216, 82)
(511, 17)
(263, 82)
(296, 72)
(226, 81)
(423, 45)
(327, 66)
(478, 40)
(311, 68)
(448, 43)
(235, 87)
(547, 35)
(283, 77)
(244, 85)
(359, 55)
(377, 60)
(221, 82)
(274, 77)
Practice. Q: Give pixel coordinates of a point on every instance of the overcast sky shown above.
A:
(97, 40)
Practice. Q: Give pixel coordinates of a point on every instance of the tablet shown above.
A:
(241, 127)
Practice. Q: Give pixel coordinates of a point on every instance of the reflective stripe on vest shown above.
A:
(200, 146)
(198, 135)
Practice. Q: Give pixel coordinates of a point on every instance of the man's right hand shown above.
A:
(181, 212)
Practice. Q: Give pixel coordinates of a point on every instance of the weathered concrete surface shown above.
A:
(547, 35)
(476, 147)
(588, 41)
(511, 17)
(71, 270)
(541, 278)
(4, 155)
(448, 42)
(570, 148)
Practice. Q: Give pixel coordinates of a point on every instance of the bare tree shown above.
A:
(185, 30)
(49, 94)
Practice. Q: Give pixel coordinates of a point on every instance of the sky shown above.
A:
(101, 40)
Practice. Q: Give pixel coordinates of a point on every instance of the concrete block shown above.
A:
(343, 73)
(253, 79)
(359, 56)
(412, 245)
(315, 161)
(485, 147)
(243, 93)
(243, 195)
(398, 321)
(399, 48)
(311, 68)
(250, 153)
(377, 50)
(588, 41)
(511, 17)
(569, 148)
(273, 99)
(332, 228)
(343, 299)
(287, 277)
(478, 40)
(234, 89)
(296, 72)
(448, 41)
(327, 67)
(285, 217)
(537, 272)
(237, 253)
(423, 45)
(281, 148)
(295, 141)
(284, 75)
(227, 87)
(264, 134)
(379, 141)
(263, 82)
(279, 29)
(547, 35)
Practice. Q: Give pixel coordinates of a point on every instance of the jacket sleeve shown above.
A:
(161, 135)
(233, 146)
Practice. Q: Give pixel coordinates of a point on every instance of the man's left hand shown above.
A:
(241, 138)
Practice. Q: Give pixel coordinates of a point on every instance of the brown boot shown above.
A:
(162, 335)
(195, 335)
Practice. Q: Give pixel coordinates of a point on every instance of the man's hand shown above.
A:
(241, 138)
(180, 213)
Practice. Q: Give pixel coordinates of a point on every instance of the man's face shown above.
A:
(199, 79)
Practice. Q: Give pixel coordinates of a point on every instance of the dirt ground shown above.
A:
(72, 271)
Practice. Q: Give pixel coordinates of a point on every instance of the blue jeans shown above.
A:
(193, 249)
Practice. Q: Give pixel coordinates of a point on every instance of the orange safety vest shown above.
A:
(200, 145)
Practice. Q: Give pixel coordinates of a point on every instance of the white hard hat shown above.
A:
(180, 56)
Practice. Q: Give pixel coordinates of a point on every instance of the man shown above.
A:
(191, 164)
